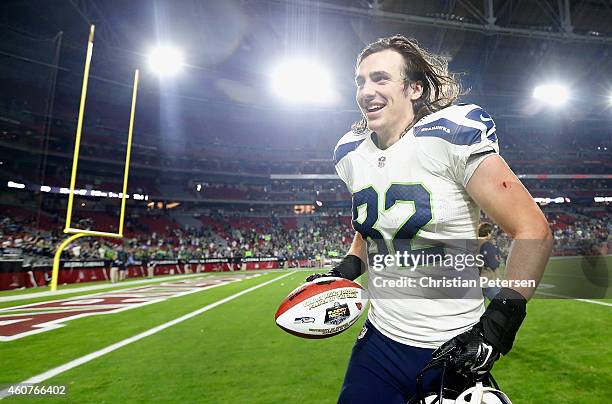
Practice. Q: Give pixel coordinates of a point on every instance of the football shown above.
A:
(321, 308)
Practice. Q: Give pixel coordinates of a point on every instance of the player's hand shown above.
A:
(333, 273)
(469, 353)
(351, 267)
(476, 350)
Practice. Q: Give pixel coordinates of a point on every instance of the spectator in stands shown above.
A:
(121, 261)
(491, 257)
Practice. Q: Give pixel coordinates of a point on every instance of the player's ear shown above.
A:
(416, 90)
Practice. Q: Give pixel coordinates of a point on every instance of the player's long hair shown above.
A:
(440, 88)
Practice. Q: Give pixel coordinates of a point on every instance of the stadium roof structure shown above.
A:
(562, 20)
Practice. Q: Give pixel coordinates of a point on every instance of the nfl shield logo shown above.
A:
(381, 161)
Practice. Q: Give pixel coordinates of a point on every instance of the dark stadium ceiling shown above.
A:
(588, 20)
(503, 47)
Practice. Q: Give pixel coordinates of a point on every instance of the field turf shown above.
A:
(234, 353)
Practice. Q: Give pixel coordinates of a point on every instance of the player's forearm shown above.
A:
(358, 248)
(498, 191)
(528, 257)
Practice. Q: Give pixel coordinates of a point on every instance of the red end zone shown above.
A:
(21, 321)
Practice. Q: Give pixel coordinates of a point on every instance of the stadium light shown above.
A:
(165, 60)
(552, 94)
(304, 81)
(18, 185)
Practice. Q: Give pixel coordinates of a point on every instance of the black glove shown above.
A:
(468, 353)
(333, 273)
(351, 267)
(475, 351)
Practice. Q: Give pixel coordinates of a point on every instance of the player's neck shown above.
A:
(387, 138)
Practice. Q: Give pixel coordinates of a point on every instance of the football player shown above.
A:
(420, 167)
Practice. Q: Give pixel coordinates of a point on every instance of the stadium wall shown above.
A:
(14, 276)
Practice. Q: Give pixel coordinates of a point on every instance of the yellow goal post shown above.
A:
(68, 229)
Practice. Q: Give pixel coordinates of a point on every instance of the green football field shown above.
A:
(233, 352)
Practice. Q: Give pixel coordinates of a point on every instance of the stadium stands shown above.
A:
(226, 234)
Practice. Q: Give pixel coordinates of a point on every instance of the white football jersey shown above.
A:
(409, 194)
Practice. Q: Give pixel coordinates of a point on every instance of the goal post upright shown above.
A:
(68, 229)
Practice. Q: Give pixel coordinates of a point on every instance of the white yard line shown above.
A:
(113, 285)
(95, 287)
(573, 298)
(89, 357)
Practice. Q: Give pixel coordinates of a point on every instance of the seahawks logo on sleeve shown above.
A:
(462, 125)
(480, 115)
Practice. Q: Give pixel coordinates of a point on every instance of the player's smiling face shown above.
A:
(381, 94)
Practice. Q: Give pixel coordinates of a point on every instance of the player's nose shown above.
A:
(367, 90)
(363, 98)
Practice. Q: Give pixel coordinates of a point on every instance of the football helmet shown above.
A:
(471, 391)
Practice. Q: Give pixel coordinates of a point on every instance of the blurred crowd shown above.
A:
(228, 236)
(575, 234)
(329, 236)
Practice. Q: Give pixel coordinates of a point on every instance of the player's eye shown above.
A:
(380, 79)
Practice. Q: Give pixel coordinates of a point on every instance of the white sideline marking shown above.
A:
(34, 295)
(573, 298)
(107, 285)
(565, 257)
(554, 275)
(89, 357)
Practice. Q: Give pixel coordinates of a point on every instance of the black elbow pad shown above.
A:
(503, 318)
(351, 267)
